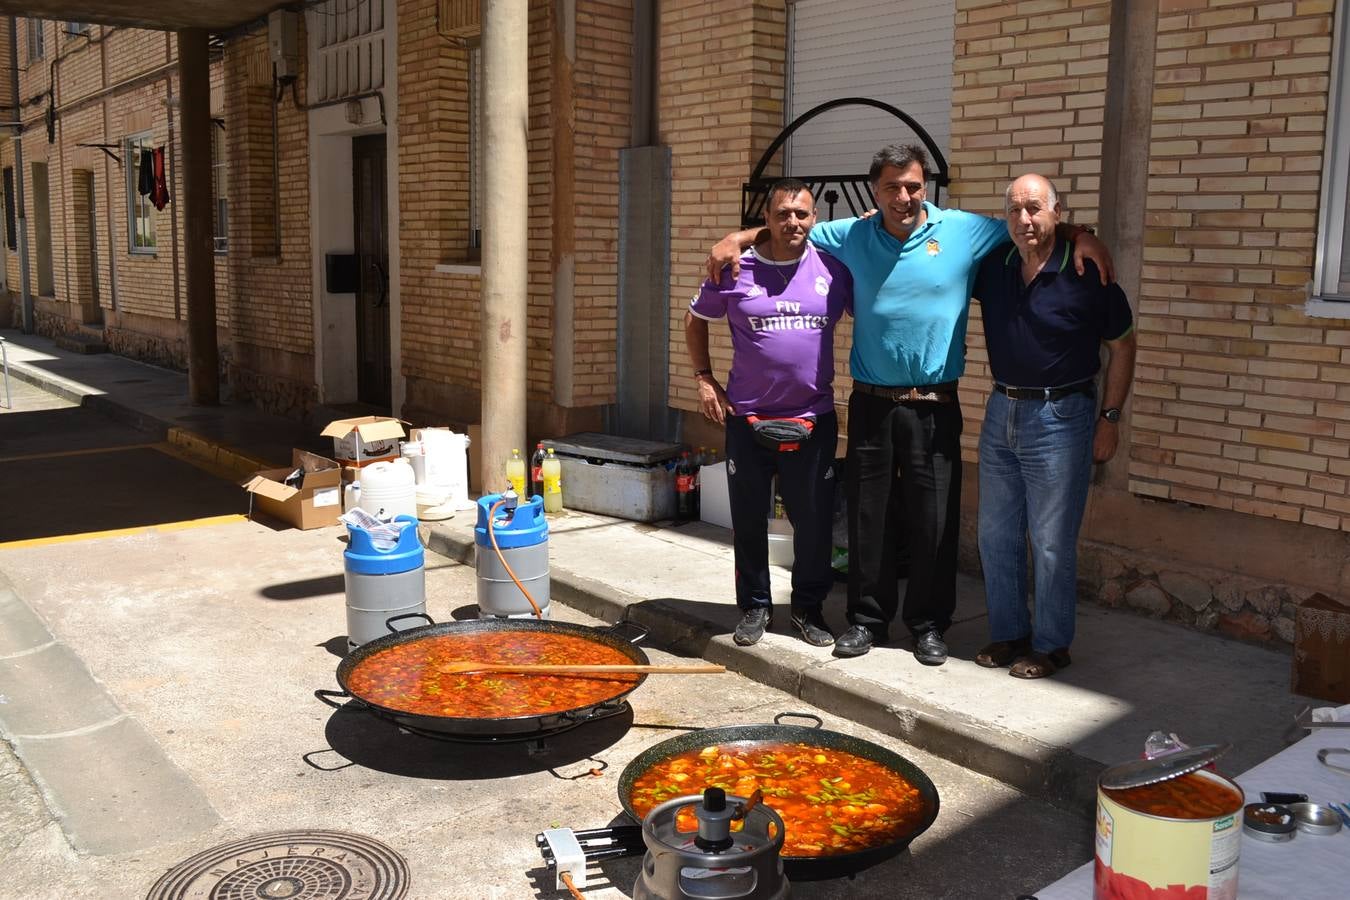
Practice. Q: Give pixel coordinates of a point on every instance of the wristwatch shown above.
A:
(1111, 414)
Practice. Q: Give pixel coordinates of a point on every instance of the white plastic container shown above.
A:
(389, 489)
(414, 453)
(447, 467)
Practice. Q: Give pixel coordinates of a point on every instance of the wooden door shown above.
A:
(373, 376)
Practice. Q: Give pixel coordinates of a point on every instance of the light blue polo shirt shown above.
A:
(911, 301)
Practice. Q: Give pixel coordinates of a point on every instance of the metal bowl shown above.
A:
(1314, 818)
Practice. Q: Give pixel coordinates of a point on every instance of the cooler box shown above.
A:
(617, 476)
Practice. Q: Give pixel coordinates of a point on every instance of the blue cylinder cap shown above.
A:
(364, 558)
(525, 528)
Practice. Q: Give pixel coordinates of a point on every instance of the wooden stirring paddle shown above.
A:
(460, 668)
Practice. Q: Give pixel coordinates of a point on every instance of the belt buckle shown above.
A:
(1047, 393)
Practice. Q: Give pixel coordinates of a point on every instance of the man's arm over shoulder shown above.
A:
(841, 284)
(986, 232)
(831, 236)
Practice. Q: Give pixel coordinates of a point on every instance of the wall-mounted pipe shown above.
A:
(25, 276)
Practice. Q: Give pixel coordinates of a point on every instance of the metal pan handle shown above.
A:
(639, 632)
(819, 722)
(389, 623)
(329, 698)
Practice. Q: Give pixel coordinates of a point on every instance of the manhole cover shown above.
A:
(289, 865)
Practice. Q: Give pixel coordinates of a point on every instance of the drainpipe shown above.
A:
(505, 213)
(194, 91)
(21, 216)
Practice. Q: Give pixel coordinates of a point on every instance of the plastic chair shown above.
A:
(4, 363)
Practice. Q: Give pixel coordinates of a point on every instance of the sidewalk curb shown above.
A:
(1055, 775)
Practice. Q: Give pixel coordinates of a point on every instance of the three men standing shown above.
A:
(778, 407)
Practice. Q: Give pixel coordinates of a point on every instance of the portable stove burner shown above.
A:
(289, 865)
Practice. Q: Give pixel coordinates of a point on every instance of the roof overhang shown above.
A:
(163, 15)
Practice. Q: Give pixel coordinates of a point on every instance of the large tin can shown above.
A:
(1142, 851)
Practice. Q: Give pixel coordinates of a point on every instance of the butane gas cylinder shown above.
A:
(383, 582)
(522, 538)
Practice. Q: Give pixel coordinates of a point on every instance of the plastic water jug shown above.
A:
(383, 583)
(389, 489)
(522, 537)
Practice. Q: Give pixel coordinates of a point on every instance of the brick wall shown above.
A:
(721, 83)
(1243, 402)
(271, 299)
(114, 83)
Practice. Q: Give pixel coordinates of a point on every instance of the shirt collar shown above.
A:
(1057, 263)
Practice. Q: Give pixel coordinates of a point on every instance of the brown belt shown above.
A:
(929, 393)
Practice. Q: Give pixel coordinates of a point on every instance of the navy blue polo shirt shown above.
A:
(1047, 333)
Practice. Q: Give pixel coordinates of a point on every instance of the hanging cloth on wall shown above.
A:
(145, 179)
(160, 196)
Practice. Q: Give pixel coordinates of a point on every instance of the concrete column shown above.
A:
(199, 252)
(1125, 157)
(506, 195)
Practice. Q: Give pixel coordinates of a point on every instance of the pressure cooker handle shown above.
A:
(389, 623)
(639, 632)
(330, 697)
(817, 720)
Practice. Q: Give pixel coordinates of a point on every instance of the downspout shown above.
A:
(22, 217)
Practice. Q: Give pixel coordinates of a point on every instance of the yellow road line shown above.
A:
(119, 532)
(53, 454)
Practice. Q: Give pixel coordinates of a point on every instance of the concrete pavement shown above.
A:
(1049, 738)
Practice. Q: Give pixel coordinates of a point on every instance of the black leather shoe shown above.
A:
(854, 642)
(752, 626)
(930, 649)
(811, 625)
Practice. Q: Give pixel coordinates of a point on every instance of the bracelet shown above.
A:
(701, 372)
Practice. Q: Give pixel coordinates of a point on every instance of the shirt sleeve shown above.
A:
(830, 236)
(1118, 321)
(711, 300)
(985, 233)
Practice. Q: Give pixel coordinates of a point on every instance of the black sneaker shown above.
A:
(811, 624)
(752, 626)
(854, 642)
(930, 649)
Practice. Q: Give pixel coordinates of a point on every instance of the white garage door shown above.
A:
(897, 51)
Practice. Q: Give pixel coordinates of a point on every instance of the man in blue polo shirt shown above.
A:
(1044, 325)
(912, 267)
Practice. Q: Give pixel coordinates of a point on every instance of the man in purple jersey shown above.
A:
(778, 406)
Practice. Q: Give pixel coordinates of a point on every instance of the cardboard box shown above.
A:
(363, 440)
(316, 503)
(1322, 649)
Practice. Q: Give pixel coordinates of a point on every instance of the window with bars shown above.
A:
(37, 48)
(140, 211)
(1332, 273)
(75, 29)
(220, 190)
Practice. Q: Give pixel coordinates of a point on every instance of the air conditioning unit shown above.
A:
(283, 43)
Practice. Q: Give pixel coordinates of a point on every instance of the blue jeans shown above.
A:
(1035, 464)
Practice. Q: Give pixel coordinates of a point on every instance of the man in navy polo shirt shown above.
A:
(912, 267)
(1044, 325)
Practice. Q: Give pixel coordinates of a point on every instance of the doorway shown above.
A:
(85, 247)
(369, 201)
(42, 213)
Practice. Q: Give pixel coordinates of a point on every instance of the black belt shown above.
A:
(932, 393)
(1028, 393)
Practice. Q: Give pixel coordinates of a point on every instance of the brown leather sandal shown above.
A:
(1040, 665)
(1000, 653)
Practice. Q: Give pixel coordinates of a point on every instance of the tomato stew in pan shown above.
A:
(406, 677)
(831, 801)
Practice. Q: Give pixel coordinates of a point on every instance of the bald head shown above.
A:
(1032, 207)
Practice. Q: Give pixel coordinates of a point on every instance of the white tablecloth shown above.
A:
(1310, 866)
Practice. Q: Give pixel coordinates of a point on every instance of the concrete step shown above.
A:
(82, 342)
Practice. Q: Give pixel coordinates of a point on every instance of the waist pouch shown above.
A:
(782, 435)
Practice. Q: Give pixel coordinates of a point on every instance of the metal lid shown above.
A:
(612, 448)
(1139, 772)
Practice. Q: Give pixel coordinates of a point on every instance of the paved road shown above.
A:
(185, 659)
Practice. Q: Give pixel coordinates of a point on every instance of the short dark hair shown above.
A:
(902, 156)
(790, 186)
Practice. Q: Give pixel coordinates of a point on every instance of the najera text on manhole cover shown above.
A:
(289, 865)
